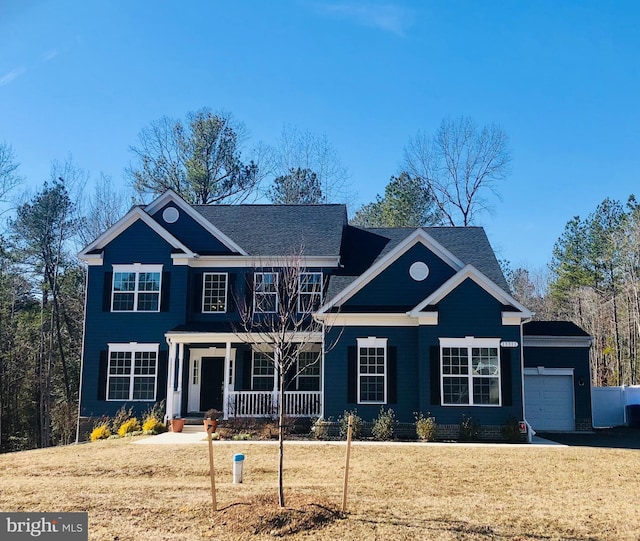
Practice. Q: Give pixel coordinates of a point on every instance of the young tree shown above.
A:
(459, 165)
(406, 203)
(199, 159)
(279, 317)
(297, 187)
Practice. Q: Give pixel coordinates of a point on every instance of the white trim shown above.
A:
(192, 337)
(275, 293)
(544, 371)
(171, 196)
(470, 272)
(307, 294)
(137, 269)
(132, 348)
(557, 341)
(226, 292)
(372, 342)
(371, 320)
(241, 261)
(468, 343)
(418, 236)
(122, 225)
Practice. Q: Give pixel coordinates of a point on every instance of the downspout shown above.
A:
(84, 333)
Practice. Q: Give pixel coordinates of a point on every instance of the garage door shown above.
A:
(549, 401)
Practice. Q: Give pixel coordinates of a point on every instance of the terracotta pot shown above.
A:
(177, 425)
(210, 424)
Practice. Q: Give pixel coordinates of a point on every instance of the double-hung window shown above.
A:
(265, 296)
(309, 291)
(372, 370)
(470, 371)
(262, 372)
(132, 372)
(214, 292)
(136, 288)
(308, 371)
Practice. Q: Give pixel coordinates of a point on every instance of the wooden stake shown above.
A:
(211, 470)
(346, 466)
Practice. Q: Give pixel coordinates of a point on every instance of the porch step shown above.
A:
(193, 428)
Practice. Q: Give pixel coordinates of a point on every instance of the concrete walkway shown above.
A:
(192, 437)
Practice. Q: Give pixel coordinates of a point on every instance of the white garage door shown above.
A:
(549, 401)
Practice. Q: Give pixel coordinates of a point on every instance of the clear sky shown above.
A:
(562, 78)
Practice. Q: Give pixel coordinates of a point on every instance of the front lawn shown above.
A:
(423, 491)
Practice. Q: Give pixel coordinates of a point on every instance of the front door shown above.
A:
(212, 383)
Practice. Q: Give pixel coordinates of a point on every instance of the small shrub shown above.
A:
(320, 428)
(469, 428)
(426, 427)
(242, 437)
(128, 427)
(156, 411)
(122, 416)
(384, 425)
(101, 432)
(356, 425)
(152, 426)
(511, 430)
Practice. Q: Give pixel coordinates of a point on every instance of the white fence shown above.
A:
(609, 404)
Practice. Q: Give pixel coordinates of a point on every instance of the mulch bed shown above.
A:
(262, 515)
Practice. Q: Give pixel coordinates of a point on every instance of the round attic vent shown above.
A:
(170, 215)
(419, 271)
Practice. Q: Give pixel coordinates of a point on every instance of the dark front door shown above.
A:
(212, 383)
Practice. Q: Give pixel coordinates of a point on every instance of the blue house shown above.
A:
(418, 320)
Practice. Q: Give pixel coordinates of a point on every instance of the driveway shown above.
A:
(619, 437)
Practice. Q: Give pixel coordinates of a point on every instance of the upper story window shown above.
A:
(309, 291)
(132, 372)
(136, 288)
(372, 370)
(470, 371)
(265, 295)
(214, 292)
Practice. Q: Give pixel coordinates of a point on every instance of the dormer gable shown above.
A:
(514, 312)
(92, 254)
(413, 242)
(186, 223)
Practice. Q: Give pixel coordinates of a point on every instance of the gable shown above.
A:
(138, 243)
(184, 227)
(395, 290)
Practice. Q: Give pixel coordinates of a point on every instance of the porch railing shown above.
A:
(265, 403)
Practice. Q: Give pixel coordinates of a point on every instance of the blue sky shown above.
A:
(562, 78)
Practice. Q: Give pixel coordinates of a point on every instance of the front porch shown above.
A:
(229, 373)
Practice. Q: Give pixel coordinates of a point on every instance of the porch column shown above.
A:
(227, 374)
(170, 379)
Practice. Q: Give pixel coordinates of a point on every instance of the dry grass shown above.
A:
(145, 492)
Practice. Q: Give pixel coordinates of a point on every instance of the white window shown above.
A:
(214, 292)
(262, 371)
(136, 288)
(132, 372)
(310, 291)
(265, 298)
(308, 371)
(372, 370)
(470, 371)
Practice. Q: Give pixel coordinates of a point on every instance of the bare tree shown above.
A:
(459, 165)
(279, 319)
(9, 177)
(199, 159)
(296, 150)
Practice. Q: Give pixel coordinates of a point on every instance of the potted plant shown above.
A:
(211, 418)
(177, 424)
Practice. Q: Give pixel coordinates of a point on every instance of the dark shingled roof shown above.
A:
(280, 230)
(553, 328)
